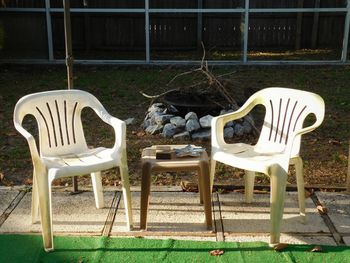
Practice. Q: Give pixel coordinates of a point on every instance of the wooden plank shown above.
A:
(335, 234)
(218, 224)
(111, 214)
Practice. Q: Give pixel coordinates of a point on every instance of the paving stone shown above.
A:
(168, 212)
(239, 217)
(71, 213)
(285, 238)
(347, 240)
(338, 206)
(6, 197)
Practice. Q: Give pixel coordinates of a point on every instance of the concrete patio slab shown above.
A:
(338, 206)
(71, 214)
(169, 213)
(239, 217)
(285, 238)
(346, 240)
(6, 197)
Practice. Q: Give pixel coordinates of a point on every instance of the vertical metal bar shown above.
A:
(147, 31)
(245, 32)
(346, 34)
(49, 29)
(299, 26)
(68, 41)
(199, 25)
(315, 25)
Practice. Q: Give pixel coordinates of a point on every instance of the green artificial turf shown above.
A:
(28, 248)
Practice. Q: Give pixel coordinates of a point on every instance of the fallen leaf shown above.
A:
(28, 181)
(139, 237)
(280, 246)
(188, 186)
(2, 176)
(140, 134)
(322, 209)
(316, 249)
(216, 252)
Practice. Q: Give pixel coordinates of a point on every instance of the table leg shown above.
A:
(200, 186)
(204, 167)
(145, 191)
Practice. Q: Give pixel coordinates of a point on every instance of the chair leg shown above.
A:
(249, 185)
(44, 191)
(35, 201)
(98, 189)
(126, 195)
(278, 189)
(298, 162)
(212, 173)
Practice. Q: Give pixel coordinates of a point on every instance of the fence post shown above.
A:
(346, 34)
(147, 31)
(245, 31)
(49, 29)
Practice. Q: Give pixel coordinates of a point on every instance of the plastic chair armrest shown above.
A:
(31, 142)
(119, 127)
(219, 122)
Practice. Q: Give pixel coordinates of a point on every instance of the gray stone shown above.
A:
(228, 132)
(239, 130)
(162, 119)
(229, 124)
(202, 135)
(129, 121)
(249, 118)
(146, 123)
(191, 116)
(192, 125)
(178, 121)
(169, 130)
(156, 107)
(247, 127)
(154, 129)
(222, 112)
(205, 121)
(172, 109)
(182, 135)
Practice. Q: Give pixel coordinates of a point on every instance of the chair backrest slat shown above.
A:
(58, 114)
(286, 110)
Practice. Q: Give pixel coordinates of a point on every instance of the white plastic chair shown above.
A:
(277, 147)
(63, 150)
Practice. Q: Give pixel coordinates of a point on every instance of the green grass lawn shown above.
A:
(325, 150)
(28, 248)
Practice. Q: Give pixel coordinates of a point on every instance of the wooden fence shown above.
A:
(125, 31)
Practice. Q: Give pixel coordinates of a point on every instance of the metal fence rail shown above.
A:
(244, 11)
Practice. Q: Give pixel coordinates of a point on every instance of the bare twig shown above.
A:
(159, 95)
(182, 74)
